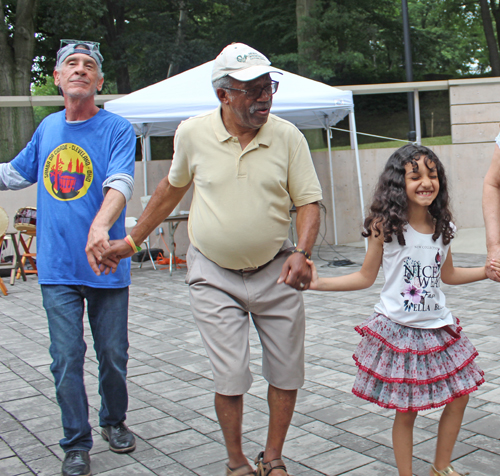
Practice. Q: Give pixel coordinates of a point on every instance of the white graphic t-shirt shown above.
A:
(412, 294)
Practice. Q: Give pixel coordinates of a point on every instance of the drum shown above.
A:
(4, 221)
(25, 220)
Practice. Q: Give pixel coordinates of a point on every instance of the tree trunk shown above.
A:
(173, 69)
(490, 38)
(495, 10)
(16, 57)
(306, 53)
(114, 22)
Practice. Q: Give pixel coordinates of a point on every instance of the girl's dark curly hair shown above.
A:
(389, 210)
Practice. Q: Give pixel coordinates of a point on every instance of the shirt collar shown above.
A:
(263, 137)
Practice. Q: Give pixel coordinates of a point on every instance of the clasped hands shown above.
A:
(493, 264)
(297, 272)
(104, 254)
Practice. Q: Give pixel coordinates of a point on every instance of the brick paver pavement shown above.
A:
(171, 398)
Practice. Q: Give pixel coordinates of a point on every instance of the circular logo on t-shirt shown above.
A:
(68, 172)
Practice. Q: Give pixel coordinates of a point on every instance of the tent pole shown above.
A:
(143, 151)
(329, 135)
(416, 101)
(352, 123)
(146, 156)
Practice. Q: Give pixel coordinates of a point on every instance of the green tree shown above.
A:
(140, 41)
(48, 88)
(488, 8)
(360, 42)
(17, 43)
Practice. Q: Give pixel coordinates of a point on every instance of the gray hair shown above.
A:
(222, 83)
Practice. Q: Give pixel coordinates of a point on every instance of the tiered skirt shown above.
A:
(410, 369)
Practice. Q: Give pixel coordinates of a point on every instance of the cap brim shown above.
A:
(252, 72)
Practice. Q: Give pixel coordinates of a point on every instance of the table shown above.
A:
(173, 222)
(16, 261)
(27, 253)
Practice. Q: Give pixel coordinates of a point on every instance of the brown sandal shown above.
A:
(263, 469)
(446, 471)
(244, 470)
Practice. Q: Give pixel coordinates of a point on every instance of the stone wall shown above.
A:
(475, 112)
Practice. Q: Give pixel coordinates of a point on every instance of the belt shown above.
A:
(257, 268)
(251, 270)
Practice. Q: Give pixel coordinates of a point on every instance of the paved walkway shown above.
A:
(171, 400)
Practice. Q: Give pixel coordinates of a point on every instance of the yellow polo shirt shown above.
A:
(240, 213)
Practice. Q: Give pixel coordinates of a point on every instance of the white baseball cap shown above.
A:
(241, 63)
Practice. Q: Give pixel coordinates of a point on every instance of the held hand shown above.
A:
(493, 269)
(97, 244)
(296, 272)
(314, 276)
(118, 250)
(492, 264)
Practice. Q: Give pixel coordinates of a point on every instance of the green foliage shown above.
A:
(44, 88)
(361, 42)
(139, 39)
(346, 42)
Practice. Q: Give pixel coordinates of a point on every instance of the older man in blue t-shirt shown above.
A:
(83, 161)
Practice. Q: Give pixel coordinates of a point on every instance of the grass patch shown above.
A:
(428, 141)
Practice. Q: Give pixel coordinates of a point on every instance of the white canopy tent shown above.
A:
(158, 109)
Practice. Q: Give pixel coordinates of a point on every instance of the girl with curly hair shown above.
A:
(413, 355)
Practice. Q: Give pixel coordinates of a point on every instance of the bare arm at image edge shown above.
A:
(491, 213)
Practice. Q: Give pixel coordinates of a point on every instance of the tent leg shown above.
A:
(352, 135)
(329, 136)
(146, 156)
(144, 168)
(352, 123)
(417, 116)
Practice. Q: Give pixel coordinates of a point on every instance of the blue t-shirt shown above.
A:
(70, 162)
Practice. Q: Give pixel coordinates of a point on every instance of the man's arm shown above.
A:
(11, 179)
(296, 272)
(162, 202)
(98, 239)
(491, 213)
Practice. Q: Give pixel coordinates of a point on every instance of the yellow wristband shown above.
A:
(132, 244)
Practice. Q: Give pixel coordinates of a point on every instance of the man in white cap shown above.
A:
(248, 168)
(83, 160)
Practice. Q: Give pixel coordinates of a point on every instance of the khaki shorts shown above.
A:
(223, 301)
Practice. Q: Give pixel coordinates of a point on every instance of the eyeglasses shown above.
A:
(254, 93)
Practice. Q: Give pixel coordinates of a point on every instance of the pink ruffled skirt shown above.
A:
(410, 369)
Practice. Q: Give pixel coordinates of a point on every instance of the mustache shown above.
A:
(260, 107)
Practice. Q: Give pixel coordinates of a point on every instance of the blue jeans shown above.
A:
(108, 314)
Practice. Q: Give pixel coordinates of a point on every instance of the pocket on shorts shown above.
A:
(191, 257)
